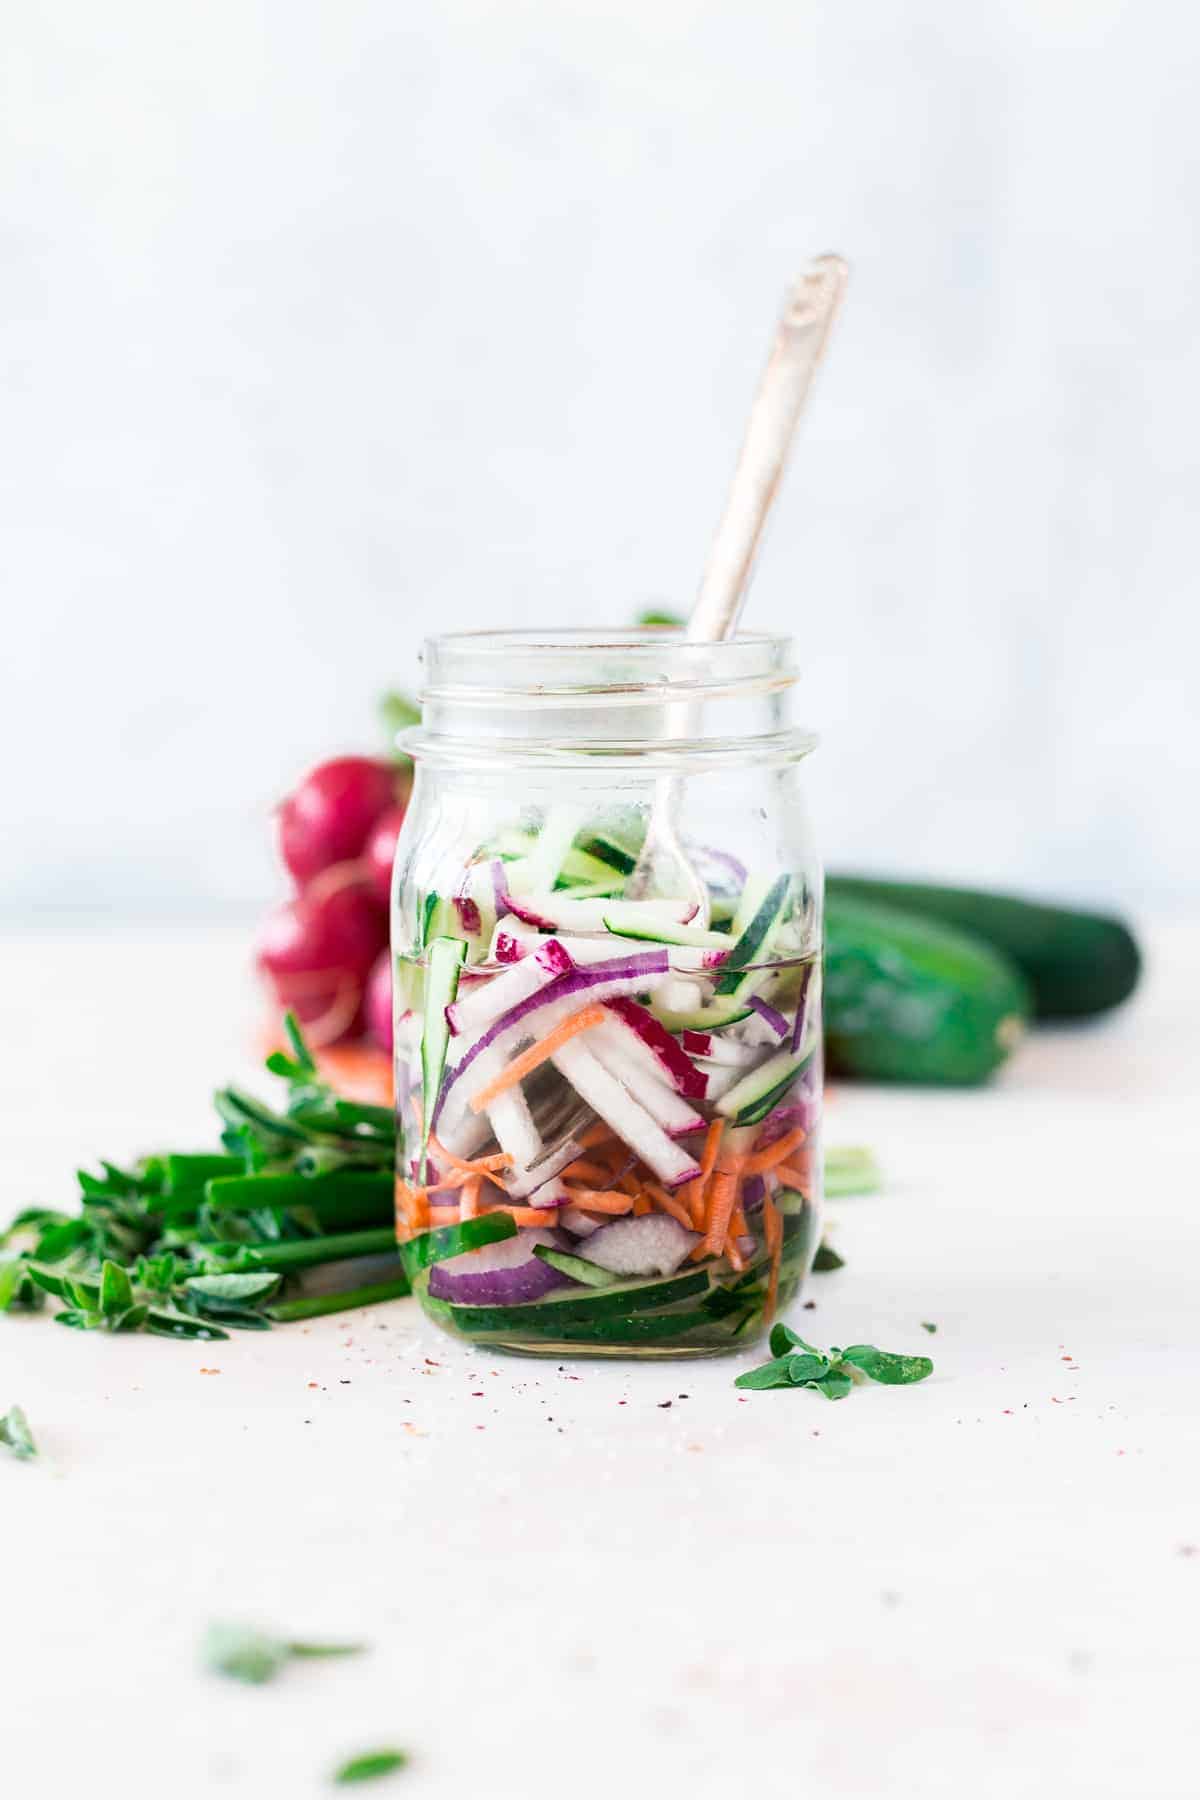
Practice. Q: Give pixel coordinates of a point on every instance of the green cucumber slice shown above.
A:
(711, 1017)
(754, 940)
(446, 958)
(552, 1312)
(628, 918)
(756, 1094)
(434, 1246)
(581, 868)
(589, 1273)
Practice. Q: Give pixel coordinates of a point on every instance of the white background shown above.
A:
(325, 325)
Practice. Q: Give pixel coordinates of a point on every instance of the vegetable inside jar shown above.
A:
(606, 927)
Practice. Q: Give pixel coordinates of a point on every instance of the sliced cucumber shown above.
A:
(616, 843)
(581, 869)
(554, 1311)
(589, 1273)
(629, 918)
(435, 1246)
(712, 1017)
(757, 1093)
(754, 940)
(446, 958)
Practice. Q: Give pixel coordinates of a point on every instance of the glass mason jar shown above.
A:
(606, 924)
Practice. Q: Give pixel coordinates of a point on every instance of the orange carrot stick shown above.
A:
(583, 1170)
(773, 1232)
(796, 1178)
(523, 1215)
(722, 1199)
(593, 1201)
(595, 1135)
(481, 1165)
(733, 1255)
(670, 1203)
(694, 1193)
(444, 1215)
(642, 1205)
(536, 1055)
(468, 1206)
(778, 1152)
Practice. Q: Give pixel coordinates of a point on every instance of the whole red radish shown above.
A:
(381, 850)
(377, 1003)
(329, 817)
(317, 950)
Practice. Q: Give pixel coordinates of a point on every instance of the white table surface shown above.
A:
(988, 1585)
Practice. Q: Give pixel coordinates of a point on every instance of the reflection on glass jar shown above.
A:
(606, 922)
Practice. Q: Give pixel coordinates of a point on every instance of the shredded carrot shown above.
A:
(413, 1203)
(796, 1178)
(778, 1152)
(536, 1055)
(583, 1170)
(468, 1206)
(670, 1203)
(593, 1201)
(693, 1194)
(444, 1215)
(479, 1165)
(773, 1231)
(733, 1255)
(629, 1183)
(738, 1224)
(642, 1205)
(523, 1215)
(722, 1199)
(595, 1135)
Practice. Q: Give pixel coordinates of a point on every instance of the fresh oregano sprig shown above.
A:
(190, 1245)
(795, 1363)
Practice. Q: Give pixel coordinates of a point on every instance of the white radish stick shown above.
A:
(631, 1122)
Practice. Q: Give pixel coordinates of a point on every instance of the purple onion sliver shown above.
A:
(801, 1019)
(468, 915)
(500, 888)
(754, 1189)
(773, 1017)
(578, 981)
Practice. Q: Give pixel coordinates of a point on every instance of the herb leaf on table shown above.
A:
(370, 1764)
(15, 1433)
(245, 1653)
(832, 1373)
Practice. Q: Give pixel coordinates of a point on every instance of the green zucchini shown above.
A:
(1077, 963)
(910, 1000)
(451, 1240)
(576, 1307)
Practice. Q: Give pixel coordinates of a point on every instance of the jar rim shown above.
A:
(640, 696)
(637, 665)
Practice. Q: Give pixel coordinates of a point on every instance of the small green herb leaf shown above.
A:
(886, 1367)
(12, 1275)
(659, 615)
(803, 1369)
(767, 1375)
(926, 1325)
(116, 1290)
(232, 1287)
(783, 1340)
(370, 1764)
(15, 1432)
(246, 1654)
(827, 1259)
(835, 1386)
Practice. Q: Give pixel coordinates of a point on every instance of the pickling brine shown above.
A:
(608, 1065)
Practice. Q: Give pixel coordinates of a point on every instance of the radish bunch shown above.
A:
(323, 952)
